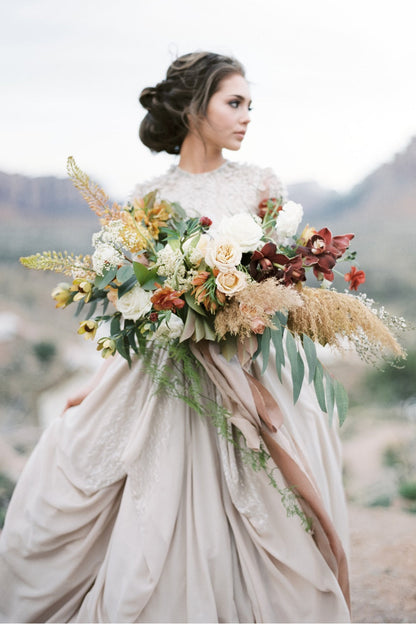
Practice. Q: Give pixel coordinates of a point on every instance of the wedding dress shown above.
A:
(132, 508)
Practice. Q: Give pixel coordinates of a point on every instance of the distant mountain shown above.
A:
(34, 198)
(312, 196)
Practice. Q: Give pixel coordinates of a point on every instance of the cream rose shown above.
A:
(242, 228)
(135, 303)
(223, 253)
(231, 282)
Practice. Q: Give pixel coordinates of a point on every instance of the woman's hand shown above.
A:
(77, 399)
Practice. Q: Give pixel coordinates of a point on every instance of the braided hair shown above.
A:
(191, 81)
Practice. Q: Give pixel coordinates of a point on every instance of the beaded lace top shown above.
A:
(232, 188)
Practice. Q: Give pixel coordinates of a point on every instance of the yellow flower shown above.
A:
(88, 328)
(307, 234)
(83, 288)
(62, 295)
(107, 346)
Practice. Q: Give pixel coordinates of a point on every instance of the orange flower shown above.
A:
(167, 299)
(199, 279)
(355, 278)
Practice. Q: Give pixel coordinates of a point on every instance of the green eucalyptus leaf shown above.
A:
(341, 400)
(125, 272)
(115, 325)
(318, 382)
(127, 286)
(311, 356)
(92, 308)
(265, 348)
(258, 350)
(277, 338)
(107, 277)
(329, 395)
(80, 305)
(297, 366)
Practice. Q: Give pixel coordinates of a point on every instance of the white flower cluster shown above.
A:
(288, 221)
(105, 257)
(170, 264)
(107, 243)
(109, 234)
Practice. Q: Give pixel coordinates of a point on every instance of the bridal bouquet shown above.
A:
(157, 277)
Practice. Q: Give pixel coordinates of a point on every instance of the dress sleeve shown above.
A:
(271, 186)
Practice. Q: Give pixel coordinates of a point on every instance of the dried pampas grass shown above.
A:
(255, 307)
(327, 317)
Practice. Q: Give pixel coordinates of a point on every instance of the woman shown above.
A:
(132, 507)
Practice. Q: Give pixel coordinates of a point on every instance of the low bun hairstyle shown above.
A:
(191, 81)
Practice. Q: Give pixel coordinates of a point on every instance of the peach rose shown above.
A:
(223, 253)
(231, 282)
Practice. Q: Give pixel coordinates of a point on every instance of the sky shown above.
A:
(334, 94)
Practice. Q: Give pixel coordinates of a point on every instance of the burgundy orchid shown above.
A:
(267, 263)
(322, 250)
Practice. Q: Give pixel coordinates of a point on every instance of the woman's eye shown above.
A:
(235, 103)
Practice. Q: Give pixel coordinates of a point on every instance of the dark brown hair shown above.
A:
(191, 81)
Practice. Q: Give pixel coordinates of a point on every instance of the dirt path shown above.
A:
(383, 565)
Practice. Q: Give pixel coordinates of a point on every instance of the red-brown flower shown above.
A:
(271, 205)
(205, 222)
(167, 299)
(322, 251)
(355, 278)
(263, 263)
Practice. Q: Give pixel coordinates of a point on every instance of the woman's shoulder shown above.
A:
(153, 183)
(264, 179)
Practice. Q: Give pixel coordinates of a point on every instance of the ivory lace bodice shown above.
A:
(232, 188)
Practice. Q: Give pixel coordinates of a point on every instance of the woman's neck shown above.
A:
(196, 157)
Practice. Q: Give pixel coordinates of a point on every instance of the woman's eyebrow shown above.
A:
(239, 97)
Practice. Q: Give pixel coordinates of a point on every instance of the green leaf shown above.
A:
(132, 340)
(81, 304)
(209, 332)
(199, 329)
(329, 395)
(142, 273)
(277, 338)
(125, 272)
(318, 382)
(258, 350)
(194, 305)
(127, 285)
(92, 308)
(265, 348)
(115, 325)
(107, 277)
(341, 400)
(296, 365)
(311, 357)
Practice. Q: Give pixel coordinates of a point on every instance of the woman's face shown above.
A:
(228, 115)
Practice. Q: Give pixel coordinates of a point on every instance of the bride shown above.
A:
(132, 508)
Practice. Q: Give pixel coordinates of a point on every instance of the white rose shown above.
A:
(169, 330)
(231, 282)
(288, 220)
(223, 253)
(243, 228)
(135, 303)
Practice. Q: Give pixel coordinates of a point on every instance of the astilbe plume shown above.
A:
(95, 197)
